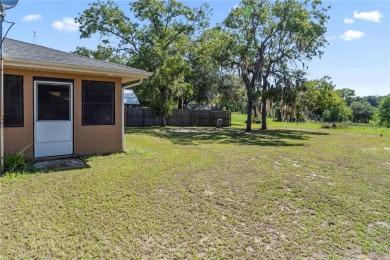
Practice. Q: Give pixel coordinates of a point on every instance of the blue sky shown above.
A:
(357, 57)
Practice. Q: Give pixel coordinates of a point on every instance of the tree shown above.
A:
(337, 113)
(102, 53)
(288, 93)
(362, 111)
(323, 102)
(151, 39)
(269, 36)
(384, 111)
(205, 77)
(373, 100)
(347, 94)
(232, 93)
(168, 86)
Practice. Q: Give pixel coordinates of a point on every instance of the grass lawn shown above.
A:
(293, 191)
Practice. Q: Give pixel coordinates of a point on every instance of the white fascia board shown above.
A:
(126, 76)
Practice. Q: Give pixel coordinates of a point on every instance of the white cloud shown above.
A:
(349, 21)
(351, 35)
(66, 24)
(32, 17)
(373, 16)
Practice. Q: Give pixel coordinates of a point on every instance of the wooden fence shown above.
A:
(180, 117)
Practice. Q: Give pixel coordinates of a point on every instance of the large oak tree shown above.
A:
(153, 36)
(271, 36)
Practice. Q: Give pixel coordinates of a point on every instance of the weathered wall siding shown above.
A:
(180, 117)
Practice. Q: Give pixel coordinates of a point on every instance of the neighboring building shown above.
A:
(130, 99)
(61, 104)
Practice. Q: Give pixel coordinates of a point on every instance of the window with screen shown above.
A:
(13, 101)
(98, 103)
(53, 102)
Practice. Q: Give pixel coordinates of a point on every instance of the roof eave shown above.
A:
(126, 76)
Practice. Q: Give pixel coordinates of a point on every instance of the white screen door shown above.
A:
(53, 119)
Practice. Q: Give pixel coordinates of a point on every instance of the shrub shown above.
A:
(362, 111)
(339, 113)
(16, 163)
(335, 126)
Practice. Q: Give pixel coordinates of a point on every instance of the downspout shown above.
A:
(1, 91)
(139, 82)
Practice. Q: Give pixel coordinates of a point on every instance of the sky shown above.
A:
(357, 57)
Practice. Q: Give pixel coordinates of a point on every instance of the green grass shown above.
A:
(287, 192)
(239, 119)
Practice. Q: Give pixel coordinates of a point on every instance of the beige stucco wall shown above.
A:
(87, 139)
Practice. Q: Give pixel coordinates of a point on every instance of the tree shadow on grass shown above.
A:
(200, 135)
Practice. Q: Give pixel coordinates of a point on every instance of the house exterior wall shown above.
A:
(98, 139)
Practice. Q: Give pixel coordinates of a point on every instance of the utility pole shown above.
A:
(4, 4)
(2, 14)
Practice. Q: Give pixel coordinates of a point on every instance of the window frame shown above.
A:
(21, 124)
(83, 103)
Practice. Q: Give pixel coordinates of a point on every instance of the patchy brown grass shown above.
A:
(209, 193)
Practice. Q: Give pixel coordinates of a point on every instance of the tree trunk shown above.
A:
(163, 120)
(264, 105)
(180, 103)
(163, 109)
(249, 117)
(271, 107)
(255, 115)
(249, 94)
(264, 113)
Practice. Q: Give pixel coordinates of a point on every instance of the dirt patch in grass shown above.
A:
(210, 194)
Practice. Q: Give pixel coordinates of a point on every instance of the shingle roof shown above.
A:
(27, 53)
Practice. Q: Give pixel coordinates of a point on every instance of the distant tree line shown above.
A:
(253, 62)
